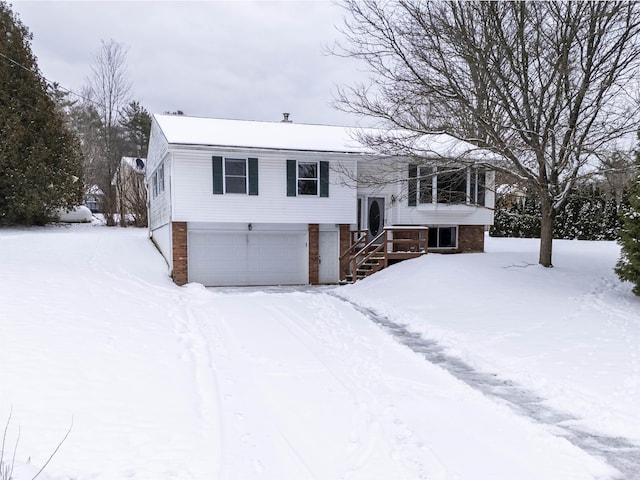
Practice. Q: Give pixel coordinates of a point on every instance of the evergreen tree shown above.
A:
(611, 220)
(503, 219)
(531, 217)
(136, 123)
(40, 165)
(591, 214)
(628, 267)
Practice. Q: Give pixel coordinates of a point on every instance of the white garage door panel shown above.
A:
(248, 258)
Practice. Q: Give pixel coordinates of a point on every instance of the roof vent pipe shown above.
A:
(286, 118)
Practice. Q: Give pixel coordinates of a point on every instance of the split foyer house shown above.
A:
(274, 203)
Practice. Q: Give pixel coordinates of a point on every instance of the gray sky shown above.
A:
(233, 59)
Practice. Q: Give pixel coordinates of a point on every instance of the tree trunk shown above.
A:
(546, 231)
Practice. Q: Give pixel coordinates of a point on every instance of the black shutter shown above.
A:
(324, 179)
(291, 178)
(412, 192)
(218, 178)
(253, 176)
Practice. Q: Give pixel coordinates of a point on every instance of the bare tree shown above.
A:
(85, 123)
(548, 86)
(110, 92)
(131, 192)
(619, 172)
(135, 199)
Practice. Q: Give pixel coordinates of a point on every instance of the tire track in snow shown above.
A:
(329, 333)
(187, 314)
(334, 360)
(619, 452)
(237, 421)
(291, 322)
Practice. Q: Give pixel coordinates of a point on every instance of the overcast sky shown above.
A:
(231, 59)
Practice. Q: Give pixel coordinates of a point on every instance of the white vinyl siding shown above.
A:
(160, 206)
(194, 201)
(158, 147)
(443, 215)
(162, 238)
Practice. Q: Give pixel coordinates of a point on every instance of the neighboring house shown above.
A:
(266, 203)
(92, 198)
(131, 190)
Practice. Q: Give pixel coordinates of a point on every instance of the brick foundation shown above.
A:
(314, 253)
(470, 239)
(345, 243)
(180, 252)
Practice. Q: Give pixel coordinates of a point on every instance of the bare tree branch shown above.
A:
(549, 86)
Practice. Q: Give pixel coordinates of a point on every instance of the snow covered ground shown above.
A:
(571, 332)
(162, 382)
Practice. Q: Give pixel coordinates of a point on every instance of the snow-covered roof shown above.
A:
(184, 130)
(180, 129)
(136, 163)
(94, 190)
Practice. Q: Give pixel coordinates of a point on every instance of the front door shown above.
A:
(375, 216)
(329, 257)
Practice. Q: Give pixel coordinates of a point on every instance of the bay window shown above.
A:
(446, 185)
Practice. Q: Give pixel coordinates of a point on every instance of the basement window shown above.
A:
(443, 237)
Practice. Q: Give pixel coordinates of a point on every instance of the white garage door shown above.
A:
(248, 258)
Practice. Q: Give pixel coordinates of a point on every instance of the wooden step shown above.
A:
(372, 261)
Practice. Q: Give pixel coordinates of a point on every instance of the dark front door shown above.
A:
(375, 216)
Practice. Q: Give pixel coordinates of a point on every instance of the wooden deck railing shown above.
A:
(359, 236)
(393, 243)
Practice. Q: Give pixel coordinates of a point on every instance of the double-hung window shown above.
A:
(157, 181)
(154, 183)
(160, 174)
(307, 178)
(235, 175)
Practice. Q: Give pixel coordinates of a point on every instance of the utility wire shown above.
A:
(49, 82)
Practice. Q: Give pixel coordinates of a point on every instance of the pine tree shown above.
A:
(136, 123)
(628, 267)
(40, 165)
